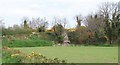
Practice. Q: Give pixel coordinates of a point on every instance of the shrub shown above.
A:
(80, 35)
(30, 42)
(7, 55)
(16, 56)
(16, 31)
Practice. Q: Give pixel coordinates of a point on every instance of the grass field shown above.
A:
(77, 54)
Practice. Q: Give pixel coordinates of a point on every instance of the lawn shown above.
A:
(88, 54)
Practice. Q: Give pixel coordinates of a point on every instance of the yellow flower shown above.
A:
(28, 56)
(33, 53)
(8, 48)
(40, 54)
(14, 55)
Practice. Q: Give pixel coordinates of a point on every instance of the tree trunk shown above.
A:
(110, 41)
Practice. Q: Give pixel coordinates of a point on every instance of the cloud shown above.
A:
(14, 10)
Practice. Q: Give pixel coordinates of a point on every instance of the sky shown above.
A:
(13, 11)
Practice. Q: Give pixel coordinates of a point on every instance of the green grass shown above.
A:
(81, 54)
(26, 43)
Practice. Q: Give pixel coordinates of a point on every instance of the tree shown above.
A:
(60, 33)
(111, 18)
(39, 23)
(58, 30)
(95, 25)
(25, 22)
(94, 22)
(80, 34)
(62, 21)
(79, 20)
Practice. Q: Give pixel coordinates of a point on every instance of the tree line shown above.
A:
(99, 28)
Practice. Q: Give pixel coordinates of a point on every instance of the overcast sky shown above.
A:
(12, 11)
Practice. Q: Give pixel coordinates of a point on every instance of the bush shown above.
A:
(30, 42)
(16, 56)
(7, 54)
(16, 31)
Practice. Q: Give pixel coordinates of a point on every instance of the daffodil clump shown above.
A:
(11, 56)
(40, 58)
(15, 56)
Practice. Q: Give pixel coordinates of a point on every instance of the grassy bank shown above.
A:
(81, 54)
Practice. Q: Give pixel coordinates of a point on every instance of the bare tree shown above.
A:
(25, 21)
(108, 8)
(111, 18)
(62, 21)
(79, 20)
(95, 22)
(40, 23)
